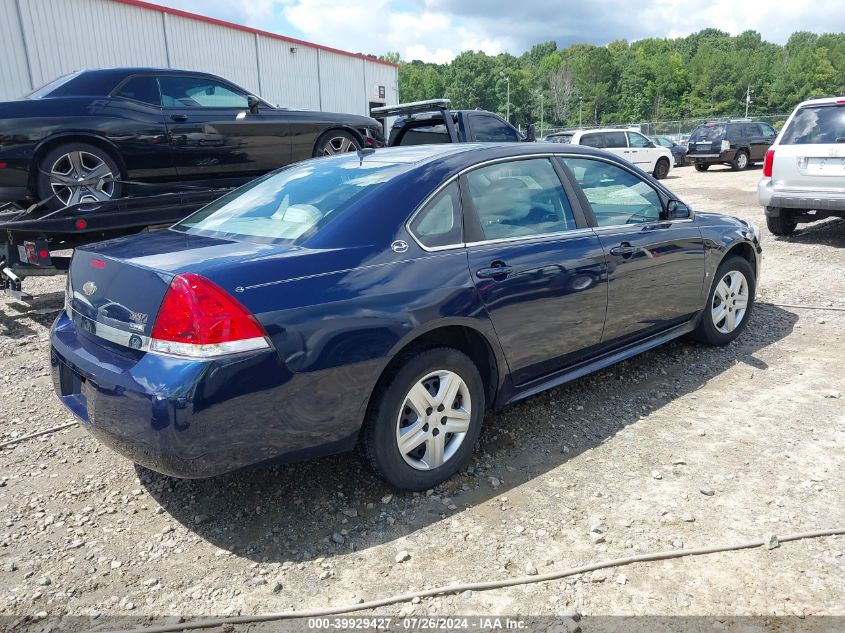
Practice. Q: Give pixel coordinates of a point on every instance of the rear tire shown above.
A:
(410, 445)
(66, 163)
(781, 224)
(740, 161)
(661, 169)
(702, 167)
(729, 303)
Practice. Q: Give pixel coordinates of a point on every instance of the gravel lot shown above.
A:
(684, 446)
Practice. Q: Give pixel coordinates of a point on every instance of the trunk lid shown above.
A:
(115, 288)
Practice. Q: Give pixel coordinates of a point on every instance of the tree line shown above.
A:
(706, 74)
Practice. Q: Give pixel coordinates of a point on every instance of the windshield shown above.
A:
(708, 132)
(47, 88)
(816, 124)
(290, 205)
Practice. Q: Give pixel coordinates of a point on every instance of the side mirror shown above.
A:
(677, 210)
(253, 102)
(530, 136)
(651, 144)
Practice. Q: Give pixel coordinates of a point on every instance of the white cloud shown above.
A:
(380, 26)
(437, 30)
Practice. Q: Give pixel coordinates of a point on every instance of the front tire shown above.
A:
(425, 420)
(336, 142)
(661, 169)
(702, 167)
(729, 302)
(60, 169)
(781, 224)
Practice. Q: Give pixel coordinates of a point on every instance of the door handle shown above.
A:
(496, 269)
(624, 250)
(179, 117)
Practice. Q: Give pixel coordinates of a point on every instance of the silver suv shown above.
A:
(804, 171)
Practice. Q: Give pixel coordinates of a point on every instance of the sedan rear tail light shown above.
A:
(768, 162)
(198, 319)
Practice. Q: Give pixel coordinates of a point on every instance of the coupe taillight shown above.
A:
(768, 162)
(199, 319)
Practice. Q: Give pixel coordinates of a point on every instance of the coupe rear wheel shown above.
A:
(661, 169)
(729, 303)
(740, 161)
(425, 421)
(77, 172)
(701, 167)
(336, 142)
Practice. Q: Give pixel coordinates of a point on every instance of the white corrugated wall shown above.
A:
(44, 39)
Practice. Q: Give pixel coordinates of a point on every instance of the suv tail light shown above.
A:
(726, 145)
(768, 162)
(198, 319)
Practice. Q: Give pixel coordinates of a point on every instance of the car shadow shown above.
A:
(15, 314)
(830, 232)
(335, 505)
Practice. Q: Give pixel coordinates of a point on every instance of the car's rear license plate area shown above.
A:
(825, 166)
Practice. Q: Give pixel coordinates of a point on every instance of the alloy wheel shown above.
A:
(730, 302)
(433, 420)
(338, 145)
(81, 176)
(742, 160)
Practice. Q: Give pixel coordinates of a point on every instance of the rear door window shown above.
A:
(595, 139)
(816, 124)
(615, 139)
(521, 198)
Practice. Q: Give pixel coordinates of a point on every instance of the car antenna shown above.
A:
(365, 151)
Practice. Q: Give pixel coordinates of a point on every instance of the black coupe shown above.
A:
(99, 134)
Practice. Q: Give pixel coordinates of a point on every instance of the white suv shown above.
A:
(627, 144)
(804, 171)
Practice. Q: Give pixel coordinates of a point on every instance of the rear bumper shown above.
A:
(191, 419)
(711, 158)
(774, 200)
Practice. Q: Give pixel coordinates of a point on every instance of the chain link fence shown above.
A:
(678, 130)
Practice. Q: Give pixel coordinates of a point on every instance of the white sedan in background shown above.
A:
(627, 144)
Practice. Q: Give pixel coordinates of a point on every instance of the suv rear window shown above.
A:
(816, 124)
(289, 205)
(707, 132)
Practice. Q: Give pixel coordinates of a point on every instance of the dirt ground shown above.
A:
(684, 446)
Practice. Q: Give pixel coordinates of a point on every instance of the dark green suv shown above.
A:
(738, 143)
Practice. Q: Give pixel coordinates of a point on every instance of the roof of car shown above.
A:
(821, 101)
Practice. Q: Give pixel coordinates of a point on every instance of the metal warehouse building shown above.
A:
(47, 38)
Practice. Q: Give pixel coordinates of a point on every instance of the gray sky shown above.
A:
(436, 30)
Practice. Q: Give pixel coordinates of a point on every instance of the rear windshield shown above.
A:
(707, 132)
(290, 205)
(816, 124)
(49, 87)
(559, 138)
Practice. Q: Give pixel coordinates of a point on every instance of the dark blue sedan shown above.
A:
(388, 299)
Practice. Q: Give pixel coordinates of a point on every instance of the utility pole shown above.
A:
(747, 100)
(580, 103)
(507, 79)
(540, 94)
